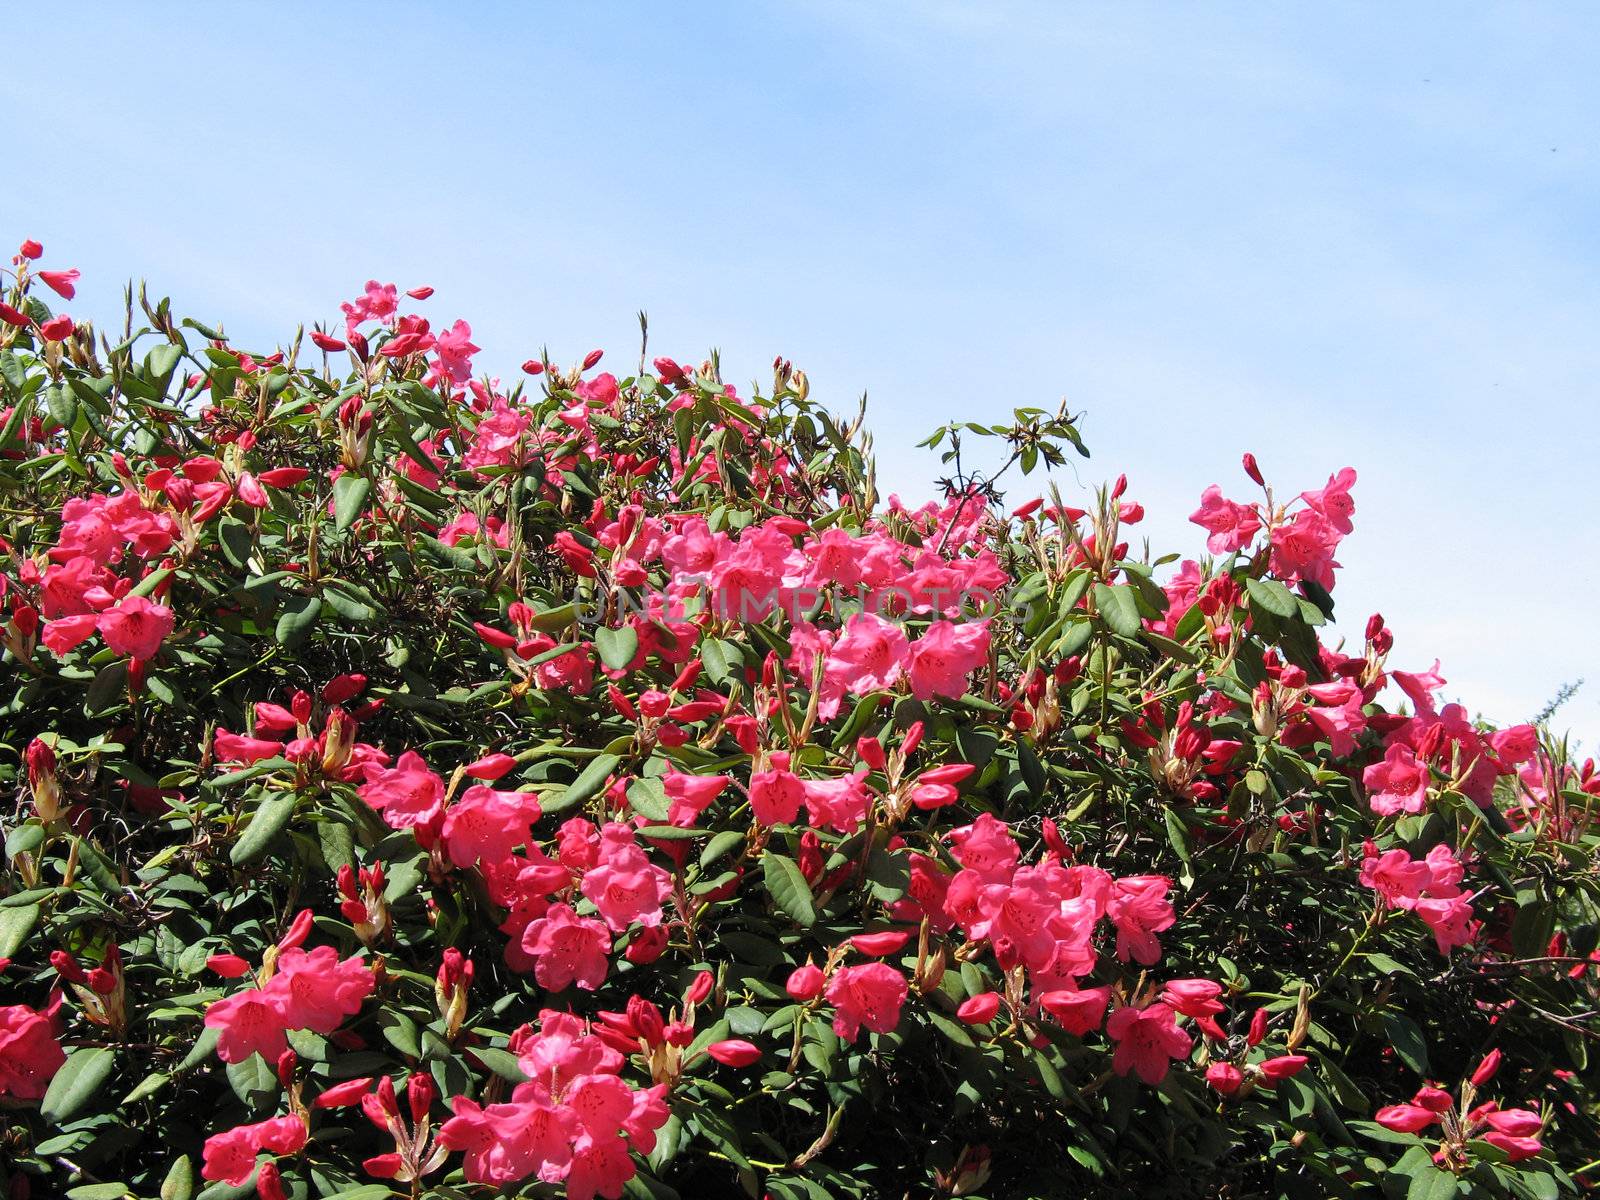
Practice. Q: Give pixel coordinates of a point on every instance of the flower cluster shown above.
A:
(590, 780)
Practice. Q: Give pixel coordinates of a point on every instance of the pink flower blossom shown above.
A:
(868, 995)
(1147, 1040)
(870, 654)
(1333, 502)
(943, 657)
(30, 1052)
(1231, 526)
(486, 825)
(567, 949)
(136, 627)
(407, 794)
(1139, 909)
(625, 887)
(1399, 783)
(230, 1156)
(776, 794)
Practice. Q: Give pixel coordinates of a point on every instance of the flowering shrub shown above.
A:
(588, 787)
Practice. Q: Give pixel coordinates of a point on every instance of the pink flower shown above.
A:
(1283, 1066)
(776, 794)
(1224, 1078)
(1397, 784)
(407, 794)
(1303, 549)
(136, 627)
(943, 657)
(455, 350)
(839, 804)
(1147, 1039)
(1079, 1011)
(869, 995)
(248, 1022)
(62, 283)
(1333, 502)
(567, 949)
(486, 825)
(691, 795)
(314, 990)
(504, 1143)
(230, 1156)
(626, 888)
(870, 655)
(1340, 725)
(1139, 908)
(1192, 997)
(65, 634)
(30, 1053)
(986, 847)
(1518, 1122)
(1450, 919)
(1231, 526)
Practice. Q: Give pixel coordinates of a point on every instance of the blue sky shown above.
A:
(1356, 235)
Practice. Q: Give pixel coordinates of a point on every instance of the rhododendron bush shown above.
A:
(420, 783)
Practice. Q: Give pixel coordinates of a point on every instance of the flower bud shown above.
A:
(979, 1009)
(1486, 1069)
(805, 982)
(734, 1052)
(269, 1184)
(700, 988)
(1224, 1078)
(420, 1095)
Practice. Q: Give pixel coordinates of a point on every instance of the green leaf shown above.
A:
(589, 781)
(1272, 596)
(15, 926)
(1407, 1040)
(295, 623)
(788, 887)
(252, 1080)
(99, 1191)
(1177, 833)
(77, 1082)
(179, 1183)
(271, 816)
(617, 647)
(1430, 1183)
(350, 492)
(1118, 608)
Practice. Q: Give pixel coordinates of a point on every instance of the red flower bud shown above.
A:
(1486, 1069)
(342, 1095)
(700, 988)
(980, 1009)
(805, 983)
(1258, 1027)
(1283, 1066)
(269, 1184)
(420, 1095)
(1224, 1078)
(299, 929)
(879, 945)
(734, 1052)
